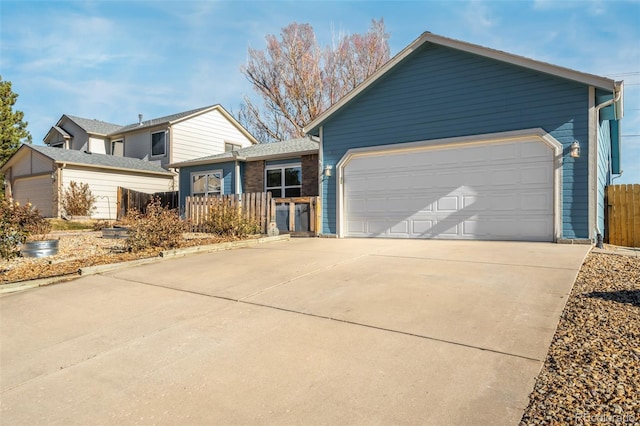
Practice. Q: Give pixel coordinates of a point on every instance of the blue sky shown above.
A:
(111, 60)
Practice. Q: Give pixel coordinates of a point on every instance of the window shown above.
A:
(158, 144)
(57, 145)
(207, 183)
(228, 146)
(117, 148)
(284, 181)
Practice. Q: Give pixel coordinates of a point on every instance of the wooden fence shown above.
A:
(260, 206)
(129, 199)
(623, 215)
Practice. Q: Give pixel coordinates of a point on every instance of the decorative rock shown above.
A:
(592, 371)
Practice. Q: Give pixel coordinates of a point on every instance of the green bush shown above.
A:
(228, 221)
(78, 200)
(158, 227)
(18, 223)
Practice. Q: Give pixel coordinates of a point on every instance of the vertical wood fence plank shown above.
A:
(636, 215)
(623, 215)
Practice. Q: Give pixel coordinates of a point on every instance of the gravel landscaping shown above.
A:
(81, 249)
(592, 371)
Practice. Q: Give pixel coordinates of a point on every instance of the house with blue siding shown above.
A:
(286, 169)
(453, 140)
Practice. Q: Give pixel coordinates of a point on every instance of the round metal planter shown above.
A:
(42, 248)
(113, 233)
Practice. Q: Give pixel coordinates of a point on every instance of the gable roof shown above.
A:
(262, 151)
(181, 116)
(80, 158)
(168, 119)
(102, 128)
(59, 130)
(93, 126)
(427, 37)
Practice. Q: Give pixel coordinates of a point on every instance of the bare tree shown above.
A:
(297, 79)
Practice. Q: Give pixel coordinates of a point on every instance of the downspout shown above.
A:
(319, 213)
(237, 177)
(59, 188)
(617, 95)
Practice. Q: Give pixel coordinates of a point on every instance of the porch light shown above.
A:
(575, 149)
(327, 170)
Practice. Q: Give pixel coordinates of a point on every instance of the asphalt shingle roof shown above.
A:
(98, 160)
(91, 125)
(261, 150)
(160, 120)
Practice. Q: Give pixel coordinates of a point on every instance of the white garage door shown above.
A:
(35, 190)
(492, 191)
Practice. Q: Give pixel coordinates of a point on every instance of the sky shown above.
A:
(111, 60)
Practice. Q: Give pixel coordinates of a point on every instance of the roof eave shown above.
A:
(6, 165)
(244, 159)
(125, 169)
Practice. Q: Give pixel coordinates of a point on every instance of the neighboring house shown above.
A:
(153, 144)
(170, 139)
(457, 141)
(286, 169)
(41, 174)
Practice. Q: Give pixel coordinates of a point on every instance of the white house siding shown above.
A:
(98, 145)
(30, 163)
(204, 135)
(37, 190)
(137, 145)
(104, 184)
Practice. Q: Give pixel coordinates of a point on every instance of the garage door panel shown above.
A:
(35, 190)
(493, 191)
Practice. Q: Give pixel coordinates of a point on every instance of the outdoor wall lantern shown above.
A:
(328, 170)
(575, 149)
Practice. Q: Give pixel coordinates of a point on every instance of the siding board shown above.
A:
(104, 185)
(439, 93)
(204, 135)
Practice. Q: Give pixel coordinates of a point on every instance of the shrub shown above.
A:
(19, 223)
(158, 227)
(101, 224)
(77, 200)
(228, 221)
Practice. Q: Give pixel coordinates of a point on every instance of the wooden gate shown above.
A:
(623, 215)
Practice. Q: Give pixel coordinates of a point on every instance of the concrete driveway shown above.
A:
(307, 331)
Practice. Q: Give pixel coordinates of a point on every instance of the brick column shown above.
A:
(253, 176)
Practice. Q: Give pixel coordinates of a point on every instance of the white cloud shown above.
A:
(478, 17)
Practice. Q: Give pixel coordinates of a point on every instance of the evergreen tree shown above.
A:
(13, 130)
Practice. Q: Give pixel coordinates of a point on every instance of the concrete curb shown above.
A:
(167, 254)
(98, 269)
(221, 246)
(25, 285)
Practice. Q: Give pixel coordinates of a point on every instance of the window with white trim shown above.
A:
(158, 144)
(207, 183)
(117, 148)
(284, 180)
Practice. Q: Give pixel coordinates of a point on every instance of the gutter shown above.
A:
(95, 166)
(617, 96)
(230, 158)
